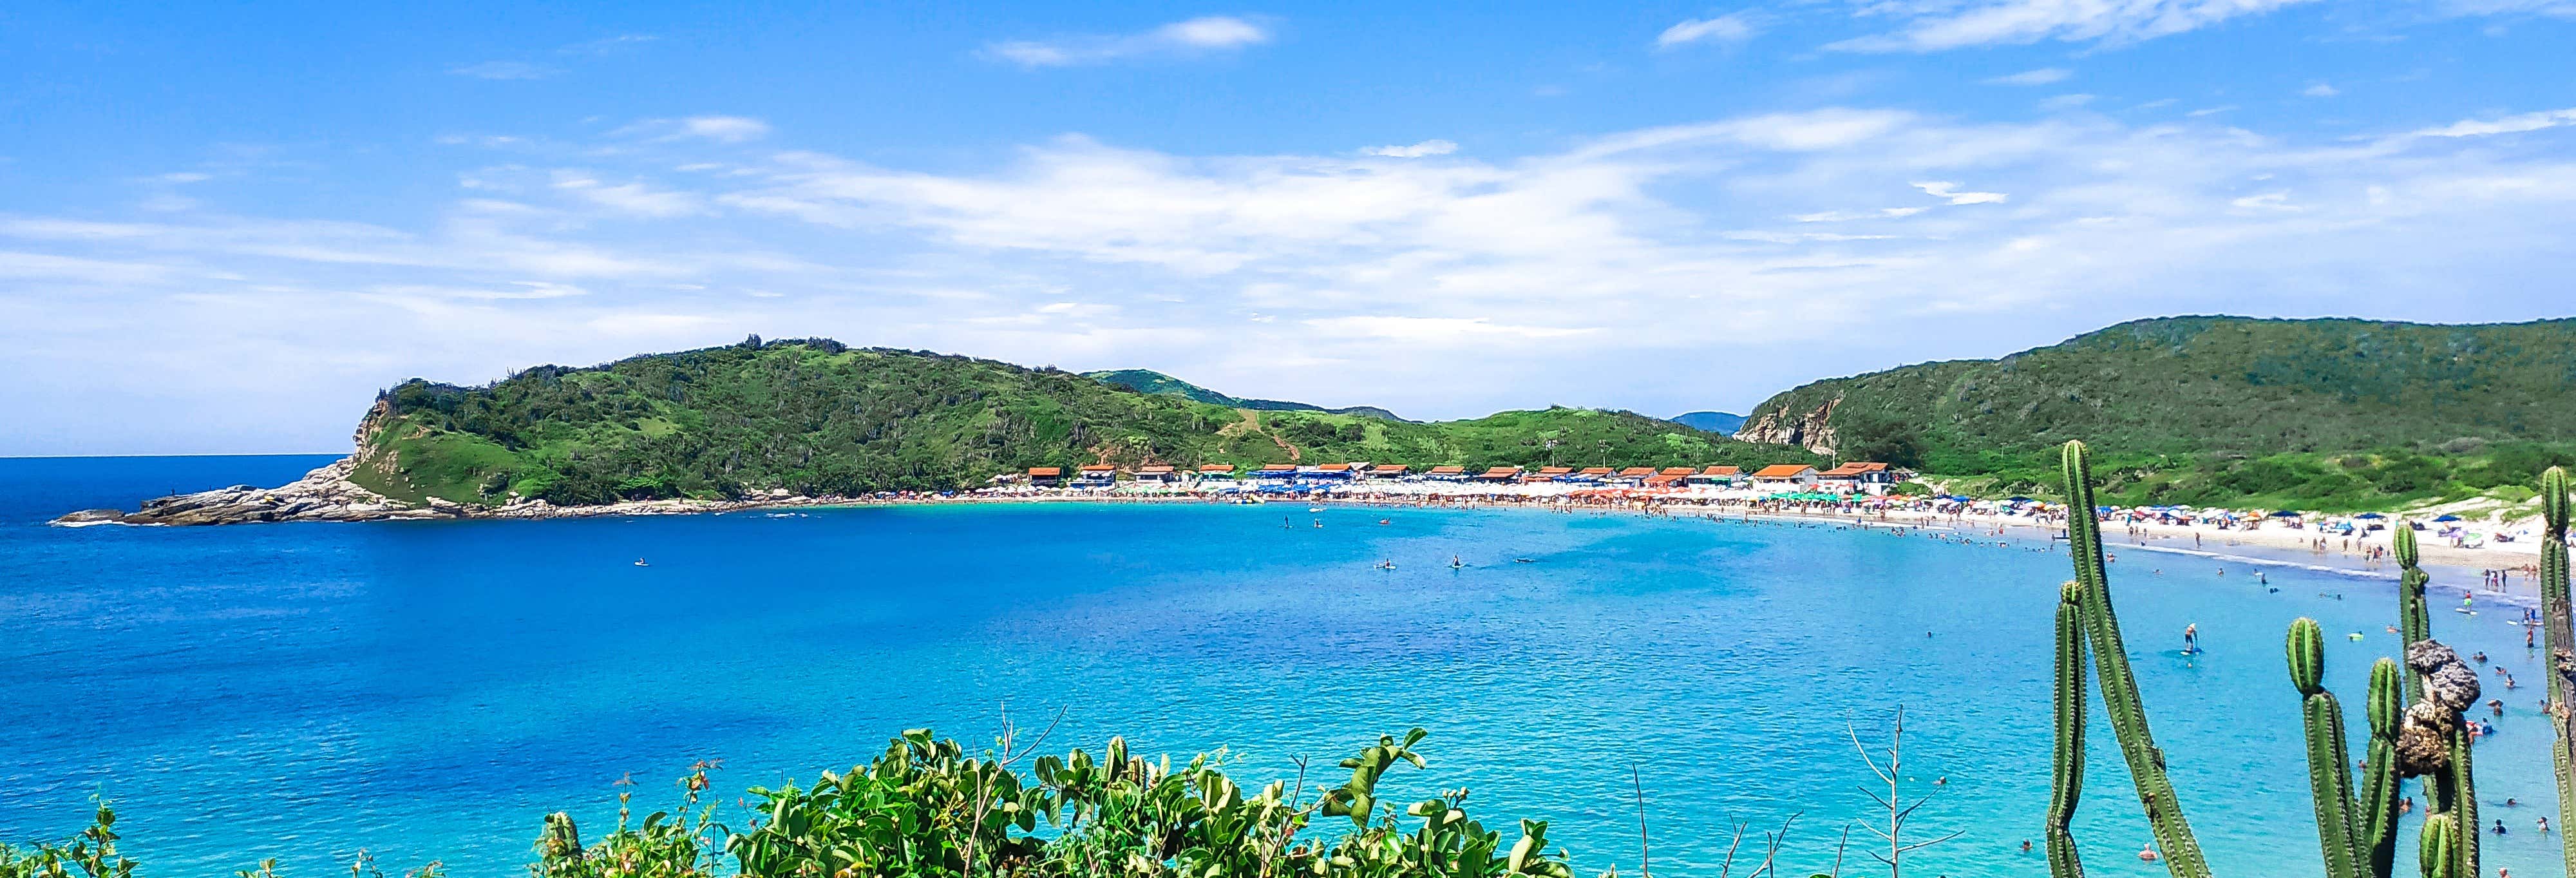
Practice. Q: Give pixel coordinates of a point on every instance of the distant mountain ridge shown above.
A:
(1150, 381)
(2198, 385)
(1714, 422)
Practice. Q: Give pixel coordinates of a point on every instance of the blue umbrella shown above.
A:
(2285, 514)
(2439, 518)
(2370, 515)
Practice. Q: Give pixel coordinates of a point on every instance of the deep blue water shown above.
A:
(429, 690)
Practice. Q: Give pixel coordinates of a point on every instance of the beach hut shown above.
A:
(1785, 476)
(1549, 474)
(1500, 474)
(1716, 476)
(1160, 474)
(1448, 474)
(1635, 475)
(1331, 471)
(1046, 476)
(1216, 471)
(1097, 474)
(1386, 471)
(1592, 474)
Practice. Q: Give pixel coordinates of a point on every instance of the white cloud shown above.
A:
(1427, 147)
(634, 199)
(2514, 124)
(724, 129)
(503, 70)
(1935, 25)
(1725, 29)
(2041, 76)
(1208, 34)
(2065, 102)
(1448, 287)
(2320, 90)
(1949, 192)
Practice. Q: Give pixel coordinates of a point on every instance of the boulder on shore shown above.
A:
(325, 494)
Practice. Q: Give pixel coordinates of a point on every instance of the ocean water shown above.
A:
(429, 690)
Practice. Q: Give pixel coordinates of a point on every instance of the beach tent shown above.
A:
(2285, 514)
(2372, 515)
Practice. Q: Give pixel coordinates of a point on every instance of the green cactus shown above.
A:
(2414, 623)
(2380, 787)
(2066, 762)
(2436, 850)
(2329, 782)
(2120, 699)
(2562, 646)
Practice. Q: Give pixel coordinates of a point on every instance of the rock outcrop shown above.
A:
(1812, 430)
(325, 494)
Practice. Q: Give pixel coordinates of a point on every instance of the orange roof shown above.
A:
(1678, 471)
(1664, 479)
(1157, 469)
(1596, 470)
(1843, 470)
(1782, 470)
(1099, 468)
(1868, 467)
(1720, 471)
(1502, 472)
(1638, 471)
(1045, 471)
(1215, 468)
(1334, 467)
(1554, 470)
(1279, 468)
(1447, 470)
(1388, 468)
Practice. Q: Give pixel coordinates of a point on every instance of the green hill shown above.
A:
(2209, 409)
(1150, 381)
(815, 416)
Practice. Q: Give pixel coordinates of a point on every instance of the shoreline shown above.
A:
(325, 494)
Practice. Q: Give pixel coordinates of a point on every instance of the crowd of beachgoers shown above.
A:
(2360, 541)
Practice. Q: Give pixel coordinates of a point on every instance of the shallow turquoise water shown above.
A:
(427, 690)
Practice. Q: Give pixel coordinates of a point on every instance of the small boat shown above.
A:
(1314, 509)
(639, 562)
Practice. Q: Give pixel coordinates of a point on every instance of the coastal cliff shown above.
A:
(1812, 430)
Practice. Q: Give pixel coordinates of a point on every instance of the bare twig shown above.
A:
(1645, 851)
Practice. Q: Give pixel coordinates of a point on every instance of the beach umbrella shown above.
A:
(2446, 518)
(2373, 515)
(2285, 514)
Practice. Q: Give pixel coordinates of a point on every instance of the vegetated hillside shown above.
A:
(1714, 422)
(815, 416)
(2332, 412)
(1150, 381)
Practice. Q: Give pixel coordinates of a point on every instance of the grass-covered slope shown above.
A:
(2211, 409)
(814, 416)
(1150, 381)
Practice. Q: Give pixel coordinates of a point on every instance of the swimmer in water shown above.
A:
(2147, 853)
(2191, 638)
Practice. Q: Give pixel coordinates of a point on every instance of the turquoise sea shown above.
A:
(429, 690)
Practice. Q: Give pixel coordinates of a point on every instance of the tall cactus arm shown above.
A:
(2182, 856)
(2329, 780)
(2380, 786)
(2464, 802)
(2066, 762)
(2562, 649)
(2414, 622)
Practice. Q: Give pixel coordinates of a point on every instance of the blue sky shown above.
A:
(223, 227)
